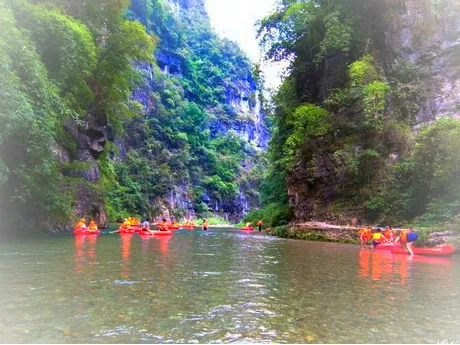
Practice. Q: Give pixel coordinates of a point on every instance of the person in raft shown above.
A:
(407, 239)
(92, 226)
(126, 224)
(80, 225)
(164, 225)
(135, 222)
(377, 238)
(146, 225)
(205, 225)
(389, 234)
(259, 224)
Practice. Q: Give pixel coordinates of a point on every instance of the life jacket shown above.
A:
(377, 237)
(259, 223)
(80, 225)
(365, 234)
(92, 225)
(403, 236)
(388, 233)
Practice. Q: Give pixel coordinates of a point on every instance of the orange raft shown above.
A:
(172, 227)
(83, 231)
(162, 233)
(443, 250)
(155, 233)
(124, 231)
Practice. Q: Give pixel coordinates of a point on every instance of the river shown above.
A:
(221, 286)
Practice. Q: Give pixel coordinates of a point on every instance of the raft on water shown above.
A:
(443, 250)
(247, 228)
(83, 231)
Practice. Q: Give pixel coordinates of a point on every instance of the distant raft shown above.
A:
(83, 231)
(247, 228)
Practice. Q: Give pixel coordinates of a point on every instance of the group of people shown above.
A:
(130, 222)
(259, 225)
(404, 236)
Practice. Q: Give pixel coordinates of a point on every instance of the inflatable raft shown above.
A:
(386, 246)
(162, 233)
(173, 227)
(443, 250)
(86, 232)
(126, 231)
(247, 228)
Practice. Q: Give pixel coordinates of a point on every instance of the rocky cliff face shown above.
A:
(240, 113)
(316, 182)
(184, 5)
(435, 50)
(91, 138)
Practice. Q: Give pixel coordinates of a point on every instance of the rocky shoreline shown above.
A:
(320, 231)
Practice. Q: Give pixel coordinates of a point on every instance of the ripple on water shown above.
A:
(125, 282)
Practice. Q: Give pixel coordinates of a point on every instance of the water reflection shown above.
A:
(85, 252)
(383, 266)
(163, 243)
(125, 255)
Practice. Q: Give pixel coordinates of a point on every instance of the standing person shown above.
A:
(205, 225)
(407, 238)
(364, 235)
(259, 224)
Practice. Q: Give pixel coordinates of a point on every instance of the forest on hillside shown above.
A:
(112, 109)
(366, 121)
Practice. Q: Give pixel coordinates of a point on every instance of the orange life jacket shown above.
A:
(259, 223)
(389, 234)
(92, 225)
(80, 225)
(403, 236)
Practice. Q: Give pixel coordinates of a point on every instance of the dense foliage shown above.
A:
(185, 147)
(345, 112)
(92, 123)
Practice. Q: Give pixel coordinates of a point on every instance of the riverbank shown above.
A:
(320, 231)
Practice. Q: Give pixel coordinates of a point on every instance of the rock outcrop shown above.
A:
(433, 50)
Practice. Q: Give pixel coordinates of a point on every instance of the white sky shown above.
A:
(235, 20)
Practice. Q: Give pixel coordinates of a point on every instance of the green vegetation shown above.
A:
(185, 143)
(345, 115)
(90, 123)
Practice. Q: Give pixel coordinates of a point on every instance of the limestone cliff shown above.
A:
(415, 34)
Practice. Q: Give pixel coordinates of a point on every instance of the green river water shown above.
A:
(221, 286)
